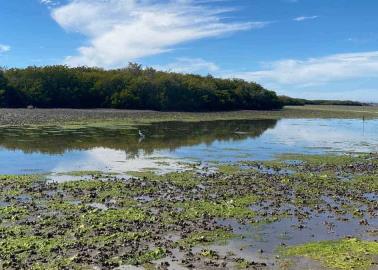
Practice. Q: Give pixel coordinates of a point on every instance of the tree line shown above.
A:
(289, 101)
(132, 87)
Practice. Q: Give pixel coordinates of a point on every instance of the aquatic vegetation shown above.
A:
(114, 239)
(14, 231)
(12, 212)
(184, 179)
(18, 179)
(99, 218)
(207, 237)
(340, 163)
(315, 160)
(345, 254)
(209, 254)
(232, 208)
(148, 256)
(243, 264)
(110, 221)
(18, 250)
(82, 173)
(229, 169)
(309, 188)
(366, 182)
(100, 190)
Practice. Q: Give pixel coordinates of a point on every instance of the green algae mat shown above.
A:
(194, 218)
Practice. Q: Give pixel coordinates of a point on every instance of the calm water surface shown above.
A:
(165, 145)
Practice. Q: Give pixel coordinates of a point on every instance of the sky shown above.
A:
(316, 49)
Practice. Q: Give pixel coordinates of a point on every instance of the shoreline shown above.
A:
(106, 117)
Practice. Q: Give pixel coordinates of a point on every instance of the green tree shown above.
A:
(129, 88)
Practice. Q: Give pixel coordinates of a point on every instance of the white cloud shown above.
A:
(119, 31)
(305, 18)
(315, 71)
(189, 65)
(4, 48)
(50, 3)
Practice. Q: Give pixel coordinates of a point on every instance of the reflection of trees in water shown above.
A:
(166, 135)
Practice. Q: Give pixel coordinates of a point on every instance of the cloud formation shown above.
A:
(305, 18)
(46, 2)
(119, 31)
(315, 71)
(4, 48)
(50, 3)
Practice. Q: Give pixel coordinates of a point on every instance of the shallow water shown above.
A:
(168, 146)
(164, 146)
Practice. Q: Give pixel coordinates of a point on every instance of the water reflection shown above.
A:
(116, 149)
(165, 145)
(157, 136)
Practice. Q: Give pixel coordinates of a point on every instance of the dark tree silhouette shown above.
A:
(129, 88)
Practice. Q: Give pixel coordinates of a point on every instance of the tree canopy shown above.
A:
(289, 101)
(129, 88)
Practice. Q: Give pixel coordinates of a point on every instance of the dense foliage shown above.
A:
(289, 101)
(129, 88)
(335, 102)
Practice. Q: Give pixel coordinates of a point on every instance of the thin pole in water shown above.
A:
(363, 123)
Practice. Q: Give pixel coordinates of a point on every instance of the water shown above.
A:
(164, 146)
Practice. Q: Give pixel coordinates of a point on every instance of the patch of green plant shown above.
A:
(12, 213)
(242, 263)
(345, 254)
(14, 231)
(367, 183)
(113, 217)
(59, 263)
(329, 160)
(207, 237)
(208, 253)
(229, 169)
(82, 185)
(63, 206)
(309, 187)
(149, 256)
(233, 208)
(184, 179)
(114, 238)
(147, 174)
(22, 248)
(27, 178)
(100, 190)
(81, 173)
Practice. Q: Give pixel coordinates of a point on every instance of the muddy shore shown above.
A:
(253, 215)
(61, 117)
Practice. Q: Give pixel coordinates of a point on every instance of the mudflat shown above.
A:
(65, 116)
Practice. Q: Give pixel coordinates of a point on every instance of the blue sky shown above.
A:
(303, 48)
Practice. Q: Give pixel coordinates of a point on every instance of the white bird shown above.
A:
(141, 134)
